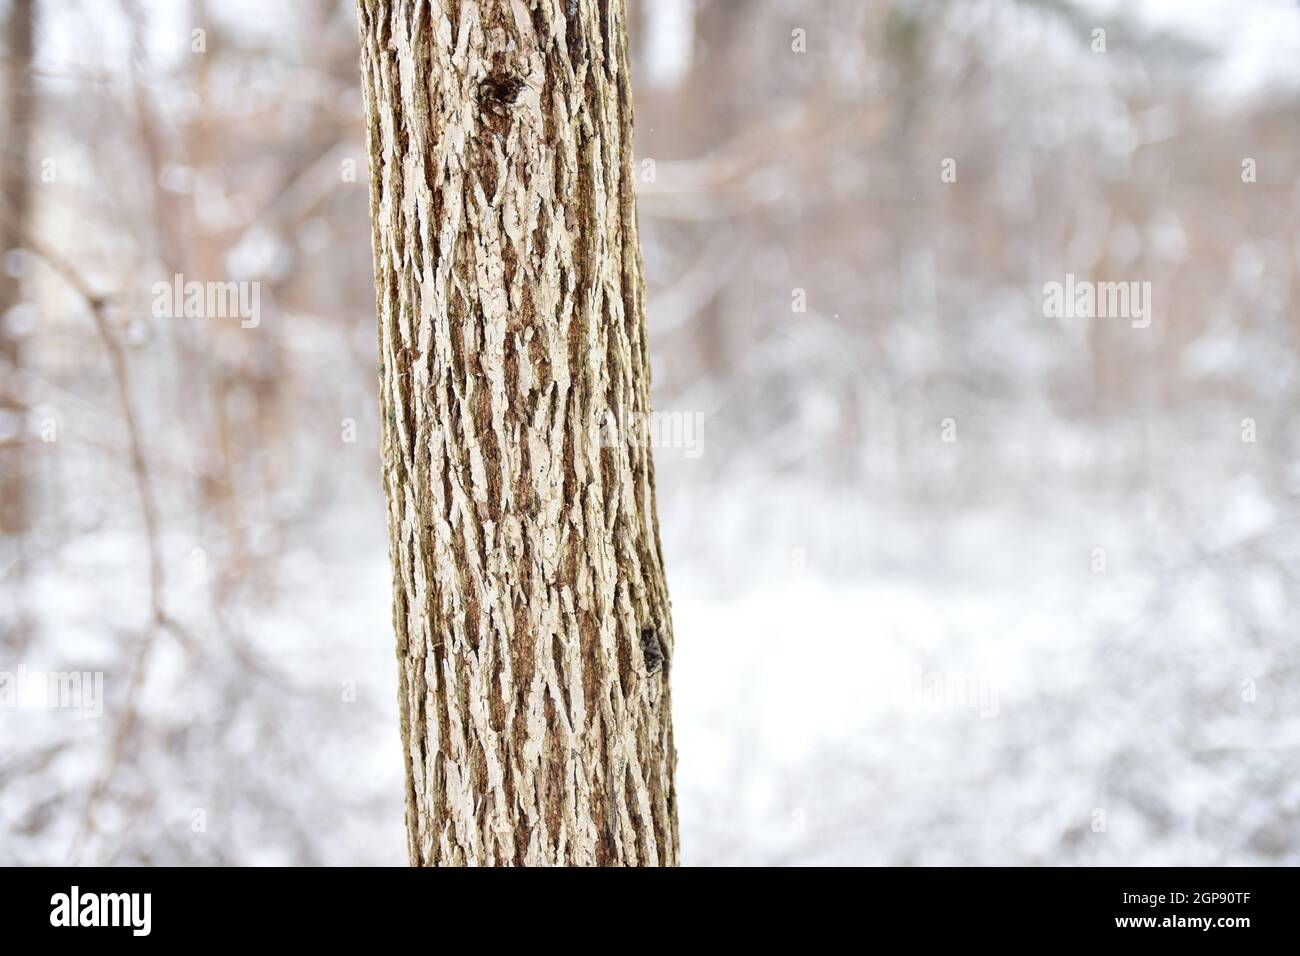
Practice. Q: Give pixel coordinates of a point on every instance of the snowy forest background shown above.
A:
(953, 582)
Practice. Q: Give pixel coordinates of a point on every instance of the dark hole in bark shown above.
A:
(651, 650)
(499, 90)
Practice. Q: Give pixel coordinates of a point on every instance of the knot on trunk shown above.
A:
(498, 92)
(653, 650)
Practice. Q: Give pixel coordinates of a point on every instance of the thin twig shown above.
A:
(97, 306)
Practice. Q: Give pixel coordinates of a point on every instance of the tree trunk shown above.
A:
(532, 617)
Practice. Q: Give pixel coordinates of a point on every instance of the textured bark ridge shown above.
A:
(532, 618)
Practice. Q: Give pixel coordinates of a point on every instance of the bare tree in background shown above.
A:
(530, 606)
(15, 144)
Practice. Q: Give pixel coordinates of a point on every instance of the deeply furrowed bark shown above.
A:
(532, 618)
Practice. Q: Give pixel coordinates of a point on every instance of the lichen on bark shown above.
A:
(524, 544)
